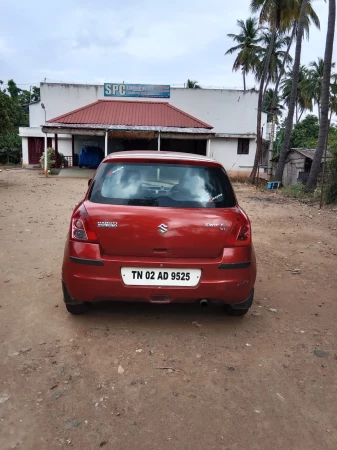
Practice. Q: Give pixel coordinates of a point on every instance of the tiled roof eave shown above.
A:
(109, 127)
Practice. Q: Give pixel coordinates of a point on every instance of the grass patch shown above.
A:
(330, 193)
(297, 191)
(9, 164)
(294, 191)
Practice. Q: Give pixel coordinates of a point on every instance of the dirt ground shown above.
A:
(166, 377)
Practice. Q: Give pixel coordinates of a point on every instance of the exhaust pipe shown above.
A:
(203, 303)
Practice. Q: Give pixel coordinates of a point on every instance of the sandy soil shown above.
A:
(166, 377)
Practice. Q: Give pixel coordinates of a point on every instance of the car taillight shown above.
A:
(81, 229)
(240, 234)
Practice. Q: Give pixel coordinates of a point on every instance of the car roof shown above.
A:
(158, 155)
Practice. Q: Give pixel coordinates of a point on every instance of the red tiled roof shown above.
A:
(124, 112)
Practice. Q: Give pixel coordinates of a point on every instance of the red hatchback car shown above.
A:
(159, 227)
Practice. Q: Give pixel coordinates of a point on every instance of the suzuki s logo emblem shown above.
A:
(162, 228)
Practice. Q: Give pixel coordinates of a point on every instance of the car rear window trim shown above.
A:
(214, 185)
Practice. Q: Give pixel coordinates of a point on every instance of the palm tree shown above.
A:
(267, 105)
(192, 84)
(303, 101)
(272, 12)
(277, 57)
(273, 110)
(325, 95)
(290, 21)
(293, 94)
(313, 84)
(333, 97)
(311, 17)
(247, 48)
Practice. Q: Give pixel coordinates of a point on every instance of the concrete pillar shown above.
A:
(56, 151)
(72, 149)
(208, 148)
(106, 142)
(45, 155)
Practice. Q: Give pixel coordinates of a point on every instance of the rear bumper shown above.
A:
(89, 276)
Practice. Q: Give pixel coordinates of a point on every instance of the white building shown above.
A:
(219, 123)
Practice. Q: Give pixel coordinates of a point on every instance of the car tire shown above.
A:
(80, 167)
(236, 312)
(78, 309)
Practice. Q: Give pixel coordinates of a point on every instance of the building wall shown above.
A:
(228, 111)
(294, 164)
(24, 151)
(36, 115)
(114, 145)
(64, 144)
(81, 141)
(225, 152)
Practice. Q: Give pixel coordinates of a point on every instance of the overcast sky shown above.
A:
(148, 41)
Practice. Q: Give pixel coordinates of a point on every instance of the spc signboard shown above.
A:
(136, 90)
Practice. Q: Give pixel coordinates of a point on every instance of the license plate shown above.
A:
(134, 276)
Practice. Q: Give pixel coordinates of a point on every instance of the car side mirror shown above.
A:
(89, 181)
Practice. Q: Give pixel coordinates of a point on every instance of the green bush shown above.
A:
(51, 159)
(294, 190)
(331, 193)
(297, 191)
(10, 156)
(305, 133)
(10, 148)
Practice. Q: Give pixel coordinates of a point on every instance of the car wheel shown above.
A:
(78, 309)
(80, 167)
(236, 312)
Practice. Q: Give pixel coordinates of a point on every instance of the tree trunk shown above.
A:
(275, 95)
(300, 117)
(293, 95)
(325, 96)
(279, 78)
(252, 176)
(296, 113)
(271, 149)
(265, 88)
(244, 79)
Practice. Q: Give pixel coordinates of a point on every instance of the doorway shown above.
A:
(36, 148)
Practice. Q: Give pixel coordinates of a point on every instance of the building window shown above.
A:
(243, 146)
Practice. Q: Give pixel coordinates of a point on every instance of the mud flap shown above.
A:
(246, 304)
(67, 297)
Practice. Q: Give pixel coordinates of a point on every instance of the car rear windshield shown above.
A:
(163, 185)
